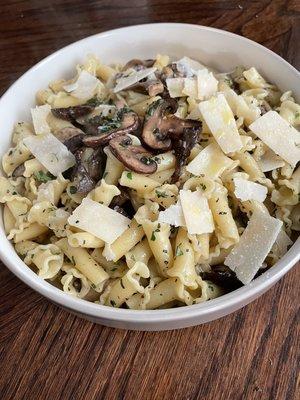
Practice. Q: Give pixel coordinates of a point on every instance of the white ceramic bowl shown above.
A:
(219, 49)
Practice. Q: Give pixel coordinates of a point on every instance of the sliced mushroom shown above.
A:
(153, 87)
(100, 135)
(182, 149)
(72, 113)
(136, 158)
(70, 137)
(19, 171)
(138, 64)
(156, 112)
(88, 169)
(222, 276)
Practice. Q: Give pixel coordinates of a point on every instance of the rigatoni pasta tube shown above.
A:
(83, 262)
(184, 262)
(29, 232)
(159, 242)
(127, 240)
(139, 182)
(141, 252)
(226, 228)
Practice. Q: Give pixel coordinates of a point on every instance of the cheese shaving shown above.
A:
(197, 214)
(210, 162)
(50, 152)
(270, 161)
(247, 190)
(172, 215)
(39, 119)
(127, 81)
(188, 67)
(99, 220)
(85, 86)
(207, 84)
(279, 135)
(255, 244)
(220, 120)
(175, 87)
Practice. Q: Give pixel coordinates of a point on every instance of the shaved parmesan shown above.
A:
(220, 120)
(190, 88)
(240, 107)
(175, 87)
(50, 152)
(270, 161)
(247, 190)
(99, 220)
(255, 244)
(85, 86)
(172, 215)
(188, 67)
(136, 76)
(39, 118)
(277, 134)
(210, 162)
(108, 253)
(207, 84)
(281, 244)
(197, 214)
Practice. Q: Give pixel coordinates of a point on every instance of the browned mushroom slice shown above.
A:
(19, 171)
(151, 87)
(88, 169)
(174, 126)
(72, 113)
(70, 137)
(138, 64)
(182, 149)
(102, 134)
(136, 158)
(156, 112)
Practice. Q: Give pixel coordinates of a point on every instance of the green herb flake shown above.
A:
(297, 114)
(43, 177)
(129, 175)
(153, 238)
(222, 213)
(203, 186)
(178, 251)
(122, 285)
(113, 303)
(73, 189)
(161, 194)
(105, 175)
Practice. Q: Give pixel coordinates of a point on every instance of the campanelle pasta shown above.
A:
(165, 177)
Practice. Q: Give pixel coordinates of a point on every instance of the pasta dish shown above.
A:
(155, 184)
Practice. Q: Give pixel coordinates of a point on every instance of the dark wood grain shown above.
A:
(46, 353)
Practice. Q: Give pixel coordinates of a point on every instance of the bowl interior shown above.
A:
(218, 49)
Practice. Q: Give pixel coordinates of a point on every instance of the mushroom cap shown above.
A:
(70, 137)
(136, 158)
(151, 135)
(137, 64)
(72, 113)
(129, 123)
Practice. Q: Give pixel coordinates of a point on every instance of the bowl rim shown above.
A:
(242, 295)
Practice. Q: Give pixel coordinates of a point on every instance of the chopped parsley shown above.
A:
(222, 213)
(94, 101)
(113, 303)
(73, 189)
(178, 251)
(43, 176)
(203, 186)
(122, 285)
(129, 175)
(161, 194)
(153, 238)
(297, 114)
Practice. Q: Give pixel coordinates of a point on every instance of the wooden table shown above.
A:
(47, 353)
